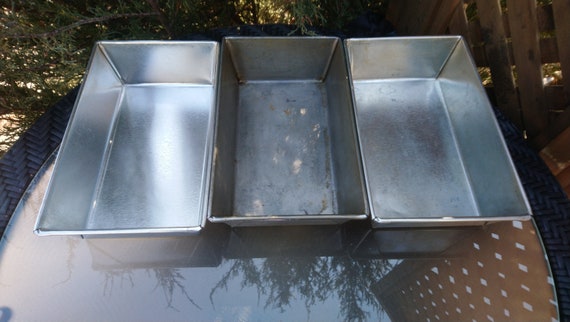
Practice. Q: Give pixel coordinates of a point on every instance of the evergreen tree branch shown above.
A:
(79, 23)
(161, 17)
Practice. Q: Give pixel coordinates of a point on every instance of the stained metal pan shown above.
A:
(431, 148)
(286, 149)
(136, 155)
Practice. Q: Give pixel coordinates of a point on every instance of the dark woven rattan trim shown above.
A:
(549, 203)
(20, 164)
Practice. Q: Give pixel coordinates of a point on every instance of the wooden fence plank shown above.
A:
(475, 32)
(442, 17)
(548, 52)
(429, 16)
(555, 98)
(498, 58)
(545, 17)
(524, 32)
(459, 25)
(561, 10)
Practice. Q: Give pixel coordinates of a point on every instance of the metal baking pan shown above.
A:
(432, 152)
(286, 150)
(136, 155)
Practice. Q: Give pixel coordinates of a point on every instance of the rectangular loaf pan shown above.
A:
(432, 151)
(136, 155)
(286, 150)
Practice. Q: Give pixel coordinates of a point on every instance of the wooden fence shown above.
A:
(513, 39)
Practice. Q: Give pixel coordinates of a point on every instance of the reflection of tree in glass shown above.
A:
(168, 279)
(280, 279)
(352, 279)
(71, 245)
(124, 275)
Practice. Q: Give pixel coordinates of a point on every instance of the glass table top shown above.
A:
(350, 272)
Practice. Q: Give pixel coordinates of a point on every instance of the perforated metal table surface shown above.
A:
(498, 272)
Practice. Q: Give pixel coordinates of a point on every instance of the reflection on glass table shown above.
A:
(347, 272)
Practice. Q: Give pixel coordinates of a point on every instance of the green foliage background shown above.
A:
(45, 44)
